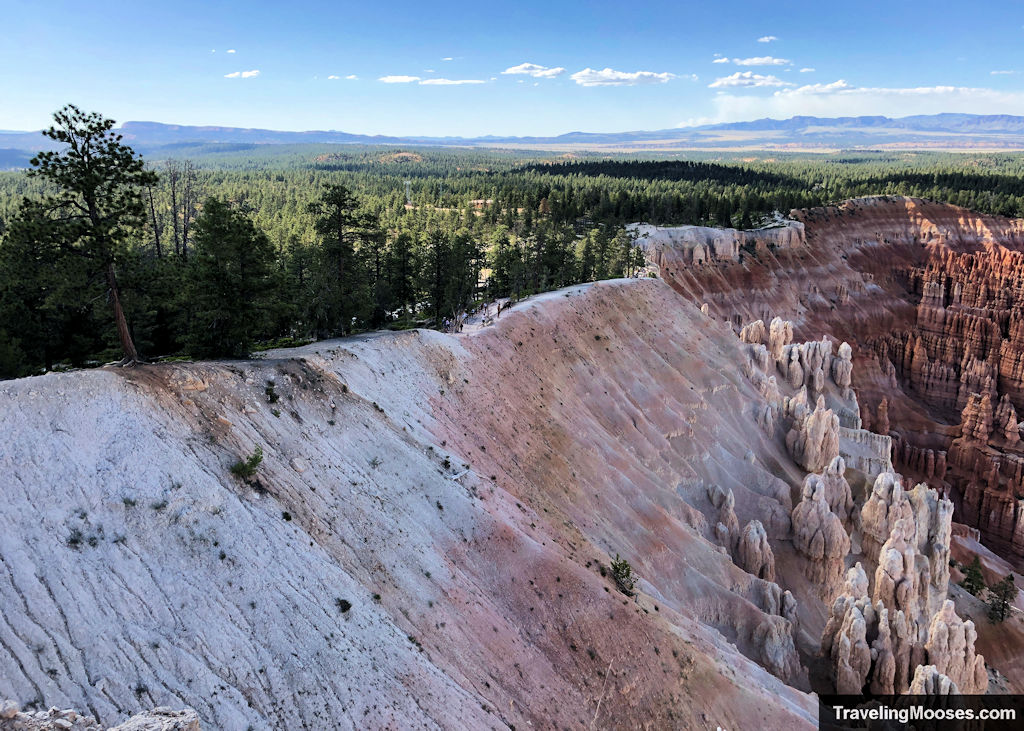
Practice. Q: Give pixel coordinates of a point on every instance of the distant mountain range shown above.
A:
(937, 131)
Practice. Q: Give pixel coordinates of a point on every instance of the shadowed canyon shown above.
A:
(795, 436)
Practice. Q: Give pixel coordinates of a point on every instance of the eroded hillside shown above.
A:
(426, 537)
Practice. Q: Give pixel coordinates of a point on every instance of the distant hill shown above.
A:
(936, 131)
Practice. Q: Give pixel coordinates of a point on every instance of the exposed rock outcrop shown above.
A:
(884, 507)
(913, 560)
(814, 440)
(901, 579)
(780, 334)
(754, 554)
(950, 647)
(929, 681)
(819, 537)
(928, 296)
(669, 248)
(870, 646)
(54, 719)
(838, 494)
(727, 528)
(842, 371)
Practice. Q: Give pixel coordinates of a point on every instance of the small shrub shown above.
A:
(286, 515)
(74, 538)
(247, 468)
(622, 573)
(159, 505)
(272, 397)
(128, 502)
(343, 605)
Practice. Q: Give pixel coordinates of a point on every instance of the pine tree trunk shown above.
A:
(156, 226)
(131, 355)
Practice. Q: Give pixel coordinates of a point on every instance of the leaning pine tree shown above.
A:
(98, 200)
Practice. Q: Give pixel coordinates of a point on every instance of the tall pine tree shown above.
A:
(99, 184)
(231, 295)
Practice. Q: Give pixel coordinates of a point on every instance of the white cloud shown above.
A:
(748, 79)
(767, 39)
(332, 76)
(351, 77)
(841, 99)
(450, 82)
(231, 50)
(429, 71)
(762, 61)
(398, 79)
(1002, 73)
(722, 59)
(535, 70)
(447, 58)
(806, 70)
(242, 74)
(610, 77)
(835, 86)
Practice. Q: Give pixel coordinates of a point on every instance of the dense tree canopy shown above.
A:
(214, 249)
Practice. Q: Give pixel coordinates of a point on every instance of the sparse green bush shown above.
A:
(247, 468)
(623, 575)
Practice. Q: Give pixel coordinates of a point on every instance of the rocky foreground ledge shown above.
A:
(159, 719)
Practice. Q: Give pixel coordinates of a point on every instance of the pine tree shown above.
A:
(45, 294)
(232, 287)
(98, 202)
(342, 289)
(974, 580)
(436, 257)
(999, 597)
(400, 268)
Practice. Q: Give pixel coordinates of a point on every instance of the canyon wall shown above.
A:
(929, 298)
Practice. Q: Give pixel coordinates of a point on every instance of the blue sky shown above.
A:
(528, 68)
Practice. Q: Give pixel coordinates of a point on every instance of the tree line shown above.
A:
(105, 257)
(347, 238)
